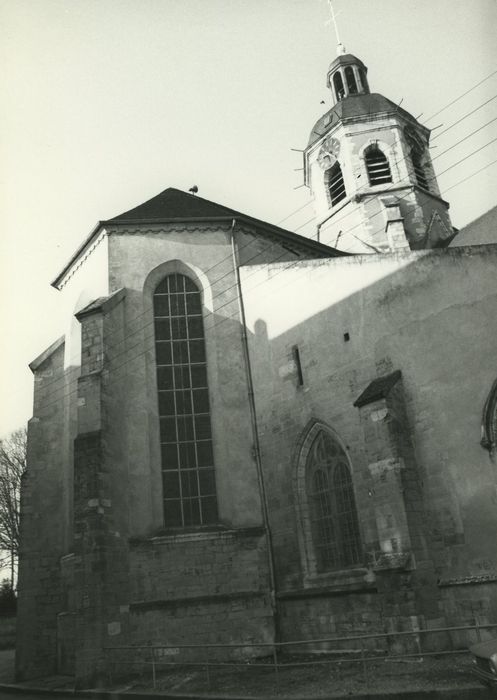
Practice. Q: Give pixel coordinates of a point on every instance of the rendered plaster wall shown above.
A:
(84, 282)
(139, 259)
(431, 315)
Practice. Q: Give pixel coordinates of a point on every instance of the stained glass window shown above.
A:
(188, 477)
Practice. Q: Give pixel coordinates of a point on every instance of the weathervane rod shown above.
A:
(333, 18)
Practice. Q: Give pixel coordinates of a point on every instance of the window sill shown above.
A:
(356, 580)
(212, 532)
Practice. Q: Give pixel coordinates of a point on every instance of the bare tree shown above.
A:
(12, 466)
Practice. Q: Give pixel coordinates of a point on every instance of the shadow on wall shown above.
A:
(422, 319)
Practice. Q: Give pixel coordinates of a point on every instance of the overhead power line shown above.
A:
(449, 104)
(62, 379)
(130, 321)
(284, 253)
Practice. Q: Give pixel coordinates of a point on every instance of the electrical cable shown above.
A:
(296, 262)
(461, 96)
(336, 221)
(63, 377)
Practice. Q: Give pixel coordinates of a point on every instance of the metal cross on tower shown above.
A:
(333, 19)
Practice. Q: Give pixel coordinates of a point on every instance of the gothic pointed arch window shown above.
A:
(377, 166)
(188, 478)
(330, 505)
(335, 184)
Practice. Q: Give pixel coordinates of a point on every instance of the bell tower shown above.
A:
(369, 169)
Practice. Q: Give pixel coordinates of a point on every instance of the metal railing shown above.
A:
(153, 656)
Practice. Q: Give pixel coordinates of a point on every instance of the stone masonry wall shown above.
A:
(201, 588)
(43, 520)
(353, 320)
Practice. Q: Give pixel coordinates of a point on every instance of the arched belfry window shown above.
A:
(419, 168)
(338, 85)
(331, 505)
(335, 183)
(363, 79)
(351, 81)
(377, 166)
(188, 478)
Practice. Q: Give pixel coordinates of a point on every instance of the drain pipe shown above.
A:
(255, 432)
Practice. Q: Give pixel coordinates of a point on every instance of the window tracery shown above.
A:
(330, 506)
(183, 398)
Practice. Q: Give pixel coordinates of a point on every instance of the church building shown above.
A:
(248, 436)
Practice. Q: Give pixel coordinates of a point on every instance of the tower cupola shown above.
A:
(369, 168)
(347, 76)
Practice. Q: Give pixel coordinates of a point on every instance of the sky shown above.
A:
(105, 103)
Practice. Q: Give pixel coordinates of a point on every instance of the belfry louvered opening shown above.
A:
(184, 411)
(336, 185)
(377, 166)
(419, 169)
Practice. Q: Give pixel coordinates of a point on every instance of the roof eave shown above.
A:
(272, 228)
(281, 233)
(88, 240)
(46, 354)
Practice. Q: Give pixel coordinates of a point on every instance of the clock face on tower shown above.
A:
(328, 153)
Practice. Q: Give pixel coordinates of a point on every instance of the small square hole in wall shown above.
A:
(346, 337)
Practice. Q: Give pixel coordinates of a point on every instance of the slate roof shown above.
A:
(378, 389)
(346, 59)
(175, 205)
(355, 106)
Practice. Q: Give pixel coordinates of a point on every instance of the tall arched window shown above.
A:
(377, 166)
(336, 185)
(351, 81)
(185, 426)
(338, 84)
(332, 510)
